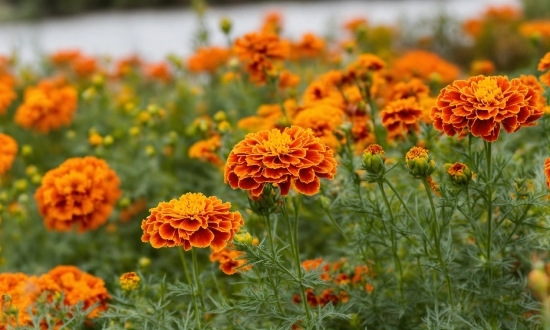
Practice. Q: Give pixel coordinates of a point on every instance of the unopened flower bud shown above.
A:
(108, 140)
(459, 173)
(373, 159)
(144, 262)
(539, 281)
(26, 150)
(226, 25)
(420, 163)
(129, 281)
(244, 238)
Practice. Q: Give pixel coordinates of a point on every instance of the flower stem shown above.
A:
(393, 239)
(437, 240)
(197, 278)
(191, 285)
(489, 213)
(269, 274)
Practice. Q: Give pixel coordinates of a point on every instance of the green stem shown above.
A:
(269, 274)
(191, 285)
(393, 239)
(293, 230)
(437, 240)
(396, 193)
(336, 225)
(197, 278)
(488, 146)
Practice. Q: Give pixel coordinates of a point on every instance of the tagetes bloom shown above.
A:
(159, 71)
(65, 57)
(7, 96)
(208, 59)
(129, 281)
(81, 192)
(77, 286)
(193, 220)
(206, 150)
(426, 66)
(288, 79)
(47, 107)
(547, 171)
(310, 46)
(85, 66)
(273, 23)
(535, 29)
(482, 67)
(22, 290)
(480, 105)
(412, 88)
(401, 116)
(283, 158)
(322, 119)
(230, 260)
(8, 151)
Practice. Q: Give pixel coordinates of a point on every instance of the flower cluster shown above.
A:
(282, 158)
(8, 151)
(208, 59)
(193, 220)
(481, 105)
(80, 192)
(230, 260)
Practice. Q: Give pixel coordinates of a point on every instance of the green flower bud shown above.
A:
(374, 162)
(459, 173)
(420, 163)
(244, 238)
(226, 25)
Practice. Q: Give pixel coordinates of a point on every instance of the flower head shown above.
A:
(81, 192)
(480, 105)
(322, 119)
(206, 150)
(424, 65)
(373, 159)
(193, 220)
(459, 173)
(208, 59)
(547, 171)
(8, 150)
(7, 96)
(283, 158)
(230, 260)
(47, 107)
(129, 281)
(401, 116)
(419, 162)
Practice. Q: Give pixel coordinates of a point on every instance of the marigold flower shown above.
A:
(193, 220)
(159, 71)
(353, 24)
(310, 46)
(208, 59)
(419, 162)
(206, 150)
(77, 286)
(283, 158)
(126, 65)
(412, 88)
(322, 119)
(547, 171)
(129, 281)
(536, 29)
(288, 79)
(544, 63)
(273, 23)
(533, 82)
(267, 117)
(424, 65)
(85, 66)
(47, 107)
(482, 67)
(133, 209)
(22, 290)
(401, 116)
(64, 57)
(481, 104)
(80, 192)
(459, 173)
(229, 259)
(8, 151)
(7, 96)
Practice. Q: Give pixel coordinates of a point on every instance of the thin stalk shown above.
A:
(336, 225)
(293, 230)
(437, 239)
(489, 213)
(197, 278)
(393, 239)
(191, 285)
(269, 275)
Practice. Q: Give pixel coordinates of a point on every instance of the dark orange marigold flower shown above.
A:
(206, 150)
(480, 105)
(266, 45)
(47, 107)
(22, 290)
(426, 66)
(412, 88)
(310, 46)
(85, 66)
(544, 63)
(193, 220)
(65, 57)
(547, 171)
(288, 79)
(8, 150)
(229, 259)
(273, 23)
(159, 71)
(129, 281)
(323, 120)
(283, 158)
(401, 116)
(353, 24)
(208, 59)
(482, 67)
(80, 192)
(7, 95)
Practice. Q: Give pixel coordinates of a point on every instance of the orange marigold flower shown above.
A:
(208, 59)
(283, 158)
(7, 95)
(533, 82)
(22, 290)
(544, 63)
(266, 45)
(547, 171)
(129, 281)
(77, 287)
(267, 117)
(288, 79)
(426, 66)
(401, 116)
(273, 23)
(481, 104)
(47, 107)
(482, 67)
(322, 119)
(193, 220)
(366, 63)
(537, 29)
(126, 65)
(353, 24)
(229, 259)
(85, 66)
(412, 88)
(8, 151)
(80, 192)
(159, 71)
(64, 57)
(206, 150)
(310, 46)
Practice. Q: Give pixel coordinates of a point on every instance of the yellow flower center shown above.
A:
(277, 142)
(487, 91)
(190, 204)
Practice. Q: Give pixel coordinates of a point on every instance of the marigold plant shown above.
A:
(8, 151)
